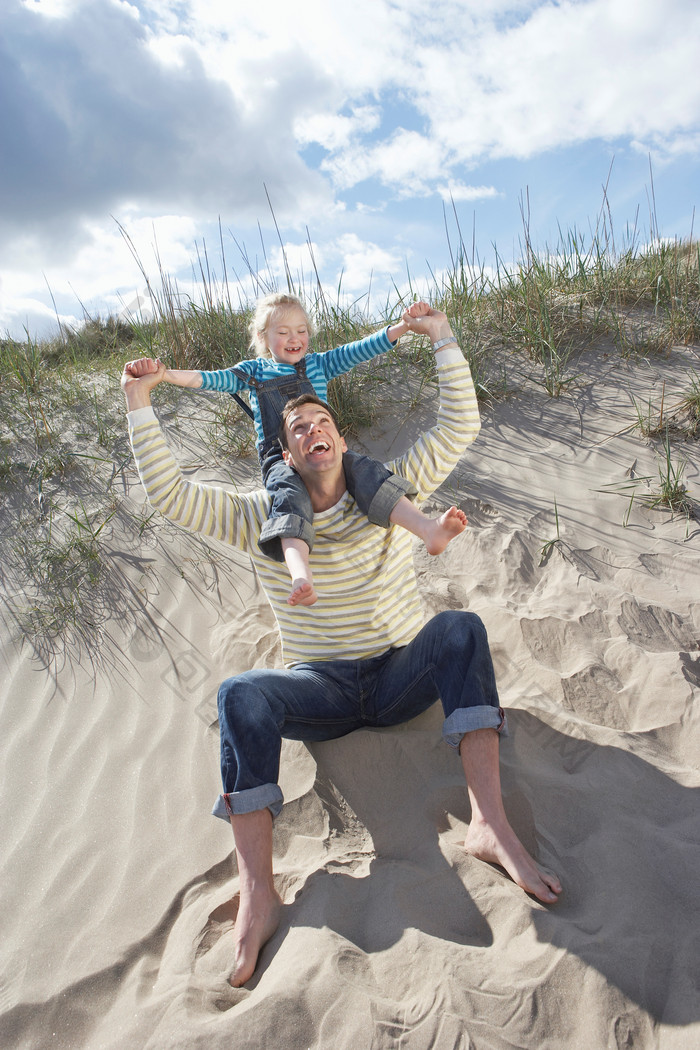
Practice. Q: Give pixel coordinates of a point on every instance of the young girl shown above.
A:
(280, 332)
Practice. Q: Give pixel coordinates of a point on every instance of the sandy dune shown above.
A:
(119, 888)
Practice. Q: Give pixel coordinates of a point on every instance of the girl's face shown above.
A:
(287, 335)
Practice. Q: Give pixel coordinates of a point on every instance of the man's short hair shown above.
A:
(297, 402)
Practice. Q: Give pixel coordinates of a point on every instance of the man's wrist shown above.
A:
(138, 416)
(444, 341)
(438, 328)
(137, 397)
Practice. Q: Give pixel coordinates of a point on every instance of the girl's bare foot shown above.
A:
(296, 558)
(504, 848)
(303, 593)
(443, 529)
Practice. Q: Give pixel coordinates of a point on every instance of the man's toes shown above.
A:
(553, 882)
(240, 975)
(550, 888)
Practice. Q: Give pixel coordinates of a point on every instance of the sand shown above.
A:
(119, 888)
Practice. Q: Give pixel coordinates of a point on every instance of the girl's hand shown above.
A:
(415, 310)
(144, 366)
(138, 379)
(422, 319)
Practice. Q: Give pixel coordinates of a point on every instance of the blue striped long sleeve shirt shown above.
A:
(320, 368)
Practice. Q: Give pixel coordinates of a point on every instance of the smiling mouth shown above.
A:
(319, 446)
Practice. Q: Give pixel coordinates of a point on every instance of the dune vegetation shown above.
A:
(64, 454)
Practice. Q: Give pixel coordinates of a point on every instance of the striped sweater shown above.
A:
(367, 593)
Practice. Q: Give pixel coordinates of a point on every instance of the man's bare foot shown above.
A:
(503, 847)
(443, 529)
(258, 918)
(303, 593)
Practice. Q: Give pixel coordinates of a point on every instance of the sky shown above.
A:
(157, 136)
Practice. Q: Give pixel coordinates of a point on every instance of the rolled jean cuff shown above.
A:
(267, 796)
(286, 526)
(386, 497)
(467, 719)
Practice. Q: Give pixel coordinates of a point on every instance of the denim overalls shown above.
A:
(375, 489)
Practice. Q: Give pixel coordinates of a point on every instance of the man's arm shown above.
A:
(205, 509)
(436, 453)
(138, 379)
(424, 320)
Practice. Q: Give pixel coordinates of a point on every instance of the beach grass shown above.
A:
(64, 454)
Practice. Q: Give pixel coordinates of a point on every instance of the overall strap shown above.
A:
(244, 405)
(257, 384)
(249, 381)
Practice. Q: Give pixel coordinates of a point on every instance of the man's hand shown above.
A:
(138, 379)
(424, 320)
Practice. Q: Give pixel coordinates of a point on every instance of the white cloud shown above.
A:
(234, 93)
(102, 264)
(51, 8)
(510, 81)
(364, 263)
(26, 315)
(191, 108)
(458, 191)
(408, 162)
(174, 51)
(370, 209)
(336, 131)
(299, 259)
(570, 72)
(102, 110)
(662, 148)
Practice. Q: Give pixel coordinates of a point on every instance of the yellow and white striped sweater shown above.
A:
(363, 574)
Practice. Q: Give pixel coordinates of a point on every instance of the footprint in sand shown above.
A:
(559, 644)
(220, 922)
(592, 695)
(656, 629)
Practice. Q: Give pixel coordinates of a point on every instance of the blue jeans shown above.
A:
(449, 660)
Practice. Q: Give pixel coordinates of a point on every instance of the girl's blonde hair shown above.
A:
(264, 310)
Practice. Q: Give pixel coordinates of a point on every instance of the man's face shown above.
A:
(315, 448)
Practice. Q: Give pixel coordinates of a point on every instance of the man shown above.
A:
(359, 656)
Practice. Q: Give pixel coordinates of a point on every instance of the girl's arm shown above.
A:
(395, 331)
(183, 377)
(225, 380)
(146, 366)
(343, 358)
